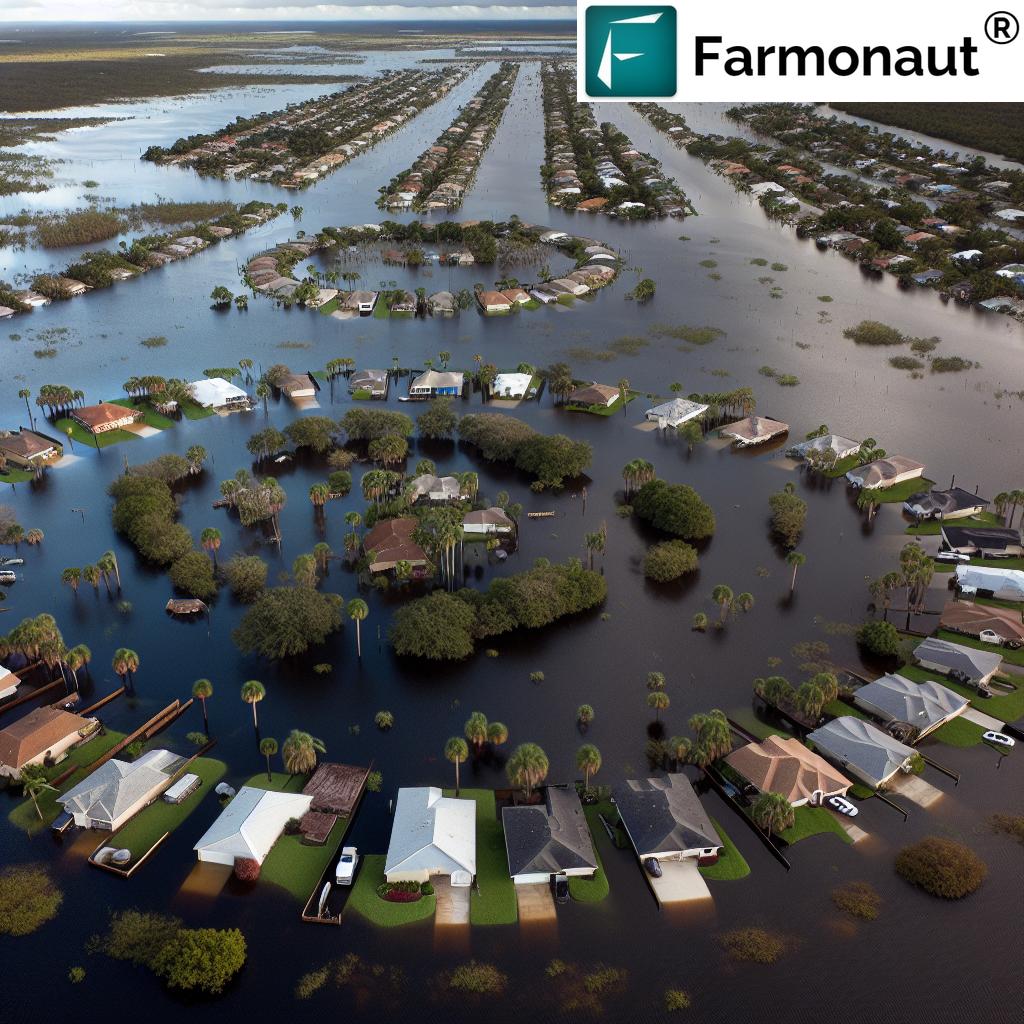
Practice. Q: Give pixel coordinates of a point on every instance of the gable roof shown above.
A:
(549, 838)
(922, 705)
(493, 516)
(391, 541)
(116, 786)
(957, 658)
(430, 483)
(594, 394)
(862, 746)
(251, 823)
(677, 411)
(784, 765)
(664, 816)
(39, 731)
(981, 538)
(27, 444)
(439, 379)
(432, 832)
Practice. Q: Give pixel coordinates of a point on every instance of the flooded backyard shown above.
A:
(923, 959)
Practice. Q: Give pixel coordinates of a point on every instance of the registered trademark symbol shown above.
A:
(1002, 27)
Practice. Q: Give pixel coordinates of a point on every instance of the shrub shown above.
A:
(858, 899)
(76, 975)
(136, 936)
(951, 364)
(384, 720)
(478, 978)
(871, 332)
(1011, 825)
(28, 899)
(676, 509)
(789, 513)
(247, 869)
(753, 945)
(906, 363)
(193, 574)
(426, 889)
(201, 959)
(676, 999)
(286, 621)
(669, 560)
(941, 867)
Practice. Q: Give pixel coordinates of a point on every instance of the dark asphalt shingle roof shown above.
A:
(548, 837)
(664, 815)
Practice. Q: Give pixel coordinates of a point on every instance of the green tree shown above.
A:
(268, 748)
(34, 782)
(299, 752)
(527, 767)
(125, 664)
(201, 959)
(497, 733)
(789, 513)
(675, 508)
(669, 560)
(210, 539)
(286, 621)
(584, 715)
(658, 701)
(722, 596)
(357, 610)
(588, 761)
(771, 812)
(794, 559)
(456, 751)
(253, 692)
(202, 690)
(475, 729)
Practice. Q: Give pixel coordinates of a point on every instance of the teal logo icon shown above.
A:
(630, 51)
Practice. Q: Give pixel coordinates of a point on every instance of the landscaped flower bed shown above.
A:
(400, 892)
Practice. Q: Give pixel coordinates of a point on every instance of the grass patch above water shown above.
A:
(683, 332)
(932, 527)
(813, 821)
(150, 416)
(365, 901)
(731, 863)
(83, 436)
(593, 890)
(959, 733)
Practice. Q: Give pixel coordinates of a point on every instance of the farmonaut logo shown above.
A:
(630, 51)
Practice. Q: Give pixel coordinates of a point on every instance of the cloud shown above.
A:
(273, 10)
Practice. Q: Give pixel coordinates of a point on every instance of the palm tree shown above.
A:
(91, 574)
(268, 748)
(679, 747)
(304, 571)
(125, 663)
(584, 715)
(354, 519)
(27, 394)
(78, 657)
(196, 456)
(210, 539)
(772, 812)
(723, 597)
(655, 681)
(794, 559)
(34, 537)
(588, 761)
(497, 733)
(319, 495)
(299, 752)
(527, 767)
(263, 392)
(475, 729)
(202, 690)
(659, 701)
(357, 610)
(745, 601)
(34, 783)
(456, 751)
(71, 578)
(623, 392)
(636, 473)
(108, 563)
(252, 693)
(714, 737)
(699, 622)
(322, 553)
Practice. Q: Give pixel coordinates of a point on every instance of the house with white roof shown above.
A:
(250, 825)
(432, 835)
(841, 447)
(511, 385)
(118, 790)
(675, 413)
(217, 393)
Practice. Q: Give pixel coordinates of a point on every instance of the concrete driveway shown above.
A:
(680, 882)
(536, 904)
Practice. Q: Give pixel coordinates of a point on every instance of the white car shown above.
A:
(952, 556)
(998, 737)
(346, 869)
(843, 806)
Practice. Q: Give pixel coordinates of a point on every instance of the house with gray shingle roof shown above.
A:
(665, 820)
(964, 664)
(547, 839)
(862, 749)
(923, 706)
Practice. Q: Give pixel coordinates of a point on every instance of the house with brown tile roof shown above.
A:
(594, 394)
(390, 542)
(29, 450)
(753, 430)
(98, 419)
(45, 734)
(784, 765)
(977, 619)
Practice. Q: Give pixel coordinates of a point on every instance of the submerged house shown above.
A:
(98, 419)
(437, 382)
(923, 707)
(434, 488)
(665, 820)
(217, 393)
(594, 394)
(487, 521)
(432, 835)
(887, 472)
(297, 385)
(29, 450)
(753, 430)
(835, 444)
(675, 413)
(862, 749)
(983, 541)
(391, 541)
(250, 825)
(511, 385)
(784, 765)
(548, 839)
(118, 790)
(953, 503)
(374, 381)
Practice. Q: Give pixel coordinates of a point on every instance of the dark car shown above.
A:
(560, 888)
(652, 867)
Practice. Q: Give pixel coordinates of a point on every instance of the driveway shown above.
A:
(452, 902)
(680, 882)
(916, 790)
(985, 721)
(536, 904)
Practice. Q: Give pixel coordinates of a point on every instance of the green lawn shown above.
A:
(959, 733)
(838, 709)
(604, 410)
(1008, 707)
(194, 411)
(531, 305)
(860, 792)
(25, 816)
(932, 527)
(80, 434)
(900, 492)
(279, 782)
(813, 821)
(381, 311)
(593, 890)
(159, 817)
(842, 467)
(1010, 656)
(297, 866)
(150, 416)
(365, 901)
(494, 894)
(328, 307)
(16, 476)
(731, 864)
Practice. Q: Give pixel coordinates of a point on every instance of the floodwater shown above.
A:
(943, 952)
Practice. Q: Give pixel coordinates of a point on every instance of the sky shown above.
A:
(271, 10)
